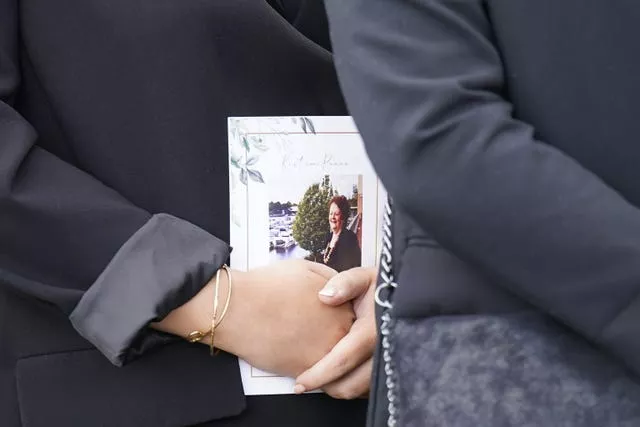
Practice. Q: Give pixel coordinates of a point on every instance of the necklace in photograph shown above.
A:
(328, 251)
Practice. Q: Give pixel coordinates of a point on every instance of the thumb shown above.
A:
(347, 285)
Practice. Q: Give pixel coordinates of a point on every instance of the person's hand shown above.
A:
(275, 320)
(345, 372)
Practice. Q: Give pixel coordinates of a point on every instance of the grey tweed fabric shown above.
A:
(494, 371)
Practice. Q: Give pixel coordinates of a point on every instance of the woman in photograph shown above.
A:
(342, 249)
(114, 214)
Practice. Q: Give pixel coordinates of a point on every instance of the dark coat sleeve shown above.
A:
(425, 85)
(110, 265)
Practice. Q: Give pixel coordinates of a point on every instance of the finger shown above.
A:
(347, 285)
(353, 385)
(322, 270)
(351, 351)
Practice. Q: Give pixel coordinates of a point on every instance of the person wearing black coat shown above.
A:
(114, 212)
(506, 134)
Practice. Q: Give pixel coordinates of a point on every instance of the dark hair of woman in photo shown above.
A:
(342, 249)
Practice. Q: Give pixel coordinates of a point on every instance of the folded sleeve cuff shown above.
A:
(162, 266)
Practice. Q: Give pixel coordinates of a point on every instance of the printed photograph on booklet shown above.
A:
(300, 188)
(316, 218)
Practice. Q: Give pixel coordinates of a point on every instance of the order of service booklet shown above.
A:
(284, 171)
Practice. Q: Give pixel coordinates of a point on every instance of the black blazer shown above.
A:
(346, 253)
(507, 133)
(113, 184)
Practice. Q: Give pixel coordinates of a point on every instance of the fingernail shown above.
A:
(299, 389)
(328, 291)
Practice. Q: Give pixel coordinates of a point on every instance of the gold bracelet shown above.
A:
(215, 310)
(217, 321)
(226, 304)
(197, 336)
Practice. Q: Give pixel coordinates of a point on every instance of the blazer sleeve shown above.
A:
(425, 83)
(67, 239)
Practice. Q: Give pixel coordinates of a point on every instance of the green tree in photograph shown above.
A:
(310, 227)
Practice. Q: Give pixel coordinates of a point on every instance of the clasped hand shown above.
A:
(345, 372)
(302, 319)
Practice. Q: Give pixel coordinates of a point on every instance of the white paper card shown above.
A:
(278, 165)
